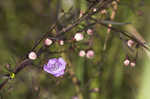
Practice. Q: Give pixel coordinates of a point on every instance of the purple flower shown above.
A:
(55, 66)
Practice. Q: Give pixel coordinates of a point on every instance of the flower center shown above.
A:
(54, 67)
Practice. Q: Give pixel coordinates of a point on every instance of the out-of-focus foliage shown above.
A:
(24, 21)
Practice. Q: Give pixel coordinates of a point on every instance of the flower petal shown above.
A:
(59, 74)
(62, 62)
(52, 61)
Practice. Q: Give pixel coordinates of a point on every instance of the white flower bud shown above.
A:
(61, 42)
(32, 55)
(90, 54)
(130, 43)
(94, 10)
(90, 32)
(132, 64)
(78, 37)
(48, 42)
(81, 14)
(82, 53)
(126, 62)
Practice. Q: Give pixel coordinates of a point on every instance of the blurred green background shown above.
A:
(22, 22)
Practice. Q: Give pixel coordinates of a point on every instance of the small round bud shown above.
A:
(132, 64)
(48, 42)
(95, 90)
(94, 10)
(126, 62)
(7, 66)
(75, 97)
(130, 43)
(90, 32)
(78, 37)
(103, 11)
(61, 42)
(82, 53)
(90, 54)
(81, 14)
(32, 55)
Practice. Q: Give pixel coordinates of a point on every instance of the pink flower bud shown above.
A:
(126, 62)
(32, 55)
(90, 32)
(78, 37)
(81, 14)
(103, 11)
(90, 54)
(48, 42)
(82, 53)
(75, 97)
(61, 42)
(130, 43)
(132, 64)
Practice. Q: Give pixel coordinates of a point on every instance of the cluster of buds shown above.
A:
(127, 62)
(49, 42)
(89, 54)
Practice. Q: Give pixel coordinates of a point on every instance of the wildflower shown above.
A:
(32, 55)
(55, 66)
(78, 37)
(82, 53)
(48, 42)
(130, 43)
(90, 32)
(126, 62)
(90, 54)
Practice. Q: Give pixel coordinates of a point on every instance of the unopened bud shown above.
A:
(94, 10)
(48, 42)
(78, 37)
(130, 43)
(61, 42)
(90, 32)
(81, 14)
(126, 62)
(32, 55)
(95, 90)
(90, 54)
(132, 64)
(82, 53)
(103, 11)
(75, 97)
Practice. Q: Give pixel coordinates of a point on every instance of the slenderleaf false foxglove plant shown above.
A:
(55, 66)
